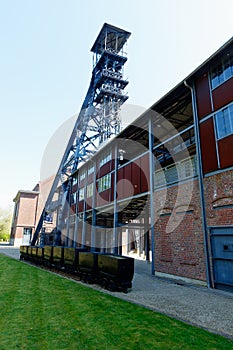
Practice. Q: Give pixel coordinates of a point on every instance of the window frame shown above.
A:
(73, 198)
(74, 180)
(222, 68)
(90, 186)
(27, 231)
(220, 134)
(104, 183)
(90, 170)
(105, 158)
(174, 173)
(82, 175)
(81, 194)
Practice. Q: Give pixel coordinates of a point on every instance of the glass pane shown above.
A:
(223, 123)
(90, 190)
(214, 78)
(220, 125)
(227, 68)
(81, 194)
(231, 117)
(226, 118)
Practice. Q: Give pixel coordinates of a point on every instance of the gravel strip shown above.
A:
(206, 308)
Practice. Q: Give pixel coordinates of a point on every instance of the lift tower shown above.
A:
(98, 120)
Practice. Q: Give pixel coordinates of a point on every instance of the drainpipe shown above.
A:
(115, 217)
(151, 162)
(201, 184)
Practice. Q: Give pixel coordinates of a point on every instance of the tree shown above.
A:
(5, 224)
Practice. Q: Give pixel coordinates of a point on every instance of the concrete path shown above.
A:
(11, 251)
(206, 308)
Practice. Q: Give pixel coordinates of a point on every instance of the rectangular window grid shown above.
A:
(104, 183)
(90, 170)
(224, 122)
(73, 198)
(106, 157)
(81, 194)
(82, 175)
(75, 181)
(27, 231)
(90, 190)
(222, 71)
(185, 169)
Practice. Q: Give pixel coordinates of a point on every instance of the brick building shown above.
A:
(27, 211)
(163, 186)
(24, 217)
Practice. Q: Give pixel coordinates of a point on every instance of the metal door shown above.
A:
(222, 257)
(27, 235)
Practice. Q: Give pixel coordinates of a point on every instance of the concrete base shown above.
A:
(17, 242)
(181, 279)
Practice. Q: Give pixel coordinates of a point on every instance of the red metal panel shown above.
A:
(105, 169)
(74, 188)
(73, 208)
(225, 147)
(223, 94)
(208, 146)
(203, 96)
(104, 198)
(136, 176)
(89, 204)
(82, 183)
(112, 164)
(145, 173)
(120, 183)
(90, 178)
(128, 181)
(80, 206)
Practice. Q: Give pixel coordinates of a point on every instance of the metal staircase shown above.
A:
(98, 120)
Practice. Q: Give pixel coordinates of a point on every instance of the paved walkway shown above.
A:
(206, 308)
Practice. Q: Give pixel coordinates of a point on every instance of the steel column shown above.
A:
(201, 184)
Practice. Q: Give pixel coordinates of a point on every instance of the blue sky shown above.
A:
(46, 64)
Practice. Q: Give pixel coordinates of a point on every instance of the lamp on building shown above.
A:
(121, 155)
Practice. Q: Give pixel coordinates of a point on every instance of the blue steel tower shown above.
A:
(98, 120)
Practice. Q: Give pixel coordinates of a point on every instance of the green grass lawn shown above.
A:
(43, 311)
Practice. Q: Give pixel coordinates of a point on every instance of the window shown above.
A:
(182, 170)
(104, 183)
(75, 181)
(73, 198)
(27, 231)
(82, 175)
(16, 210)
(106, 157)
(224, 122)
(90, 190)
(81, 194)
(222, 71)
(48, 217)
(90, 170)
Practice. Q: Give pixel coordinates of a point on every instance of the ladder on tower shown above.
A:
(98, 120)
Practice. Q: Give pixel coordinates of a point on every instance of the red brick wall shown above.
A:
(27, 210)
(179, 244)
(219, 198)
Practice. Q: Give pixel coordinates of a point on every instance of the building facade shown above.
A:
(24, 217)
(27, 211)
(163, 186)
